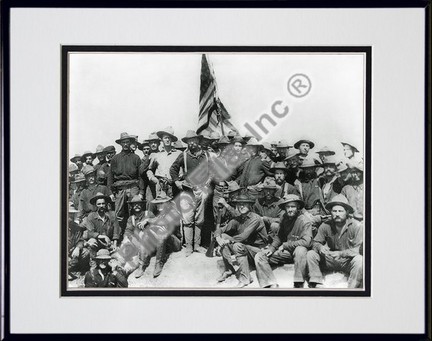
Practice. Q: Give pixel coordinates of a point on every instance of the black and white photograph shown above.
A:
(216, 170)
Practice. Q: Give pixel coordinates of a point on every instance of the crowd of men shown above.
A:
(265, 204)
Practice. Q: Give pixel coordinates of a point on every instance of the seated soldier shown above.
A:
(155, 232)
(267, 207)
(102, 228)
(289, 245)
(244, 236)
(337, 245)
(106, 274)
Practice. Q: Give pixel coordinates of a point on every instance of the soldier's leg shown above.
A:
(264, 271)
(187, 206)
(243, 253)
(355, 270)
(201, 197)
(227, 251)
(300, 266)
(313, 264)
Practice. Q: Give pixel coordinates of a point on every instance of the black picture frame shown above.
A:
(6, 7)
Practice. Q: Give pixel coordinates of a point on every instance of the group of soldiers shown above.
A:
(262, 204)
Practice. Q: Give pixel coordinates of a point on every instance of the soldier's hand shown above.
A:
(104, 239)
(179, 184)
(325, 250)
(281, 248)
(154, 179)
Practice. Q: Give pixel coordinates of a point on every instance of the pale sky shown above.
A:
(140, 93)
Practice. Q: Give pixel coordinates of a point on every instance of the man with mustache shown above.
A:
(353, 190)
(100, 155)
(244, 236)
(329, 180)
(123, 177)
(109, 153)
(87, 158)
(85, 207)
(337, 245)
(289, 245)
(107, 273)
(195, 187)
(285, 188)
(102, 228)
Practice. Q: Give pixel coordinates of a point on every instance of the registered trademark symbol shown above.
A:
(299, 85)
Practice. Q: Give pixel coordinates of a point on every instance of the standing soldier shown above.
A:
(253, 170)
(353, 191)
(100, 155)
(109, 153)
(160, 164)
(352, 154)
(87, 158)
(123, 177)
(195, 186)
(154, 143)
(324, 153)
(285, 188)
(304, 145)
(282, 150)
(76, 159)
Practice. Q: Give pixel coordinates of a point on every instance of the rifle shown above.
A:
(210, 250)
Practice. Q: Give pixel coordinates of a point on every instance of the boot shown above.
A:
(160, 259)
(140, 271)
(197, 240)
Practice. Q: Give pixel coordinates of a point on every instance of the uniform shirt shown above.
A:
(95, 278)
(329, 188)
(348, 240)
(293, 232)
(269, 211)
(160, 163)
(254, 171)
(124, 166)
(311, 192)
(248, 229)
(107, 226)
(84, 206)
(354, 194)
(193, 161)
(285, 189)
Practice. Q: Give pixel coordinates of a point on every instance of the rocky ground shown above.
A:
(199, 271)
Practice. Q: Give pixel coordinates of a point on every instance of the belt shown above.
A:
(124, 184)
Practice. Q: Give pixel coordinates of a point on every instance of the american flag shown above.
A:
(212, 112)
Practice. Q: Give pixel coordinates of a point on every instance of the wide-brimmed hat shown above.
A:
(244, 198)
(109, 149)
(153, 137)
(351, 145)
(274, 143)
(191, 134)
(299, 142)
(167, 131)
(79, 177)
(269, 183)
(331, 160)
(326, 150)
(103, 254)
(253, 142)
(283, 144)
(341, 166)
(291, 153)
(87, 169)
(75, 158)
(161, 198)
(223, 141)
(231, 134)
(291, 198)
(124, 136)
(247, 137)
(310, 162)
(238, 138)
(99, 196)
(136, 199)
(99, 150)
(87, 153)
(233, 187)
(179, 145)
(143, 144)
(278, 165)
(266, 146)
(341, 200)
(73, 168)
